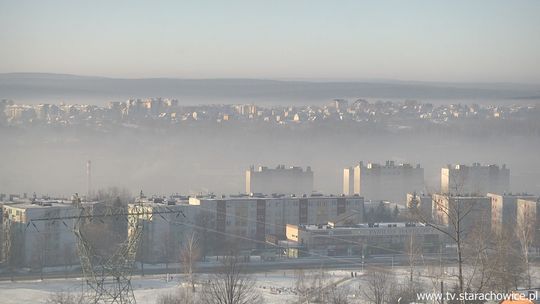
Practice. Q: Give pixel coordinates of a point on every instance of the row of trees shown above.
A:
(486, 260)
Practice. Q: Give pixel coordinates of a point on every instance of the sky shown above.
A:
(456, 41)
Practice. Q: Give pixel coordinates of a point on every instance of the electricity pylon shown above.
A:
(108, 279)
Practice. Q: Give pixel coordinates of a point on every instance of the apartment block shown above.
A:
(473, 212)
(476, 179)
(389, 182)
(30, 242)
(253, 218)
(281, 180)
(504, 211)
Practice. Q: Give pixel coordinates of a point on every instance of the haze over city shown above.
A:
(212, 152)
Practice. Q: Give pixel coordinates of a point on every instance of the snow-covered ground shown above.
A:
(275, 286)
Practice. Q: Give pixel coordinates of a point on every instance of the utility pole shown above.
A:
(442, 292)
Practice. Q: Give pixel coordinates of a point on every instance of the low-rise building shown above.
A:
(331, 240)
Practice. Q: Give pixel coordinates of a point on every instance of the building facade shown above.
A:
(389, 182)
(473, 212)
(527, 228)
(166, 224)
(281, 180)
(253, 218)
(476, 179)
(30, 242)
(504, 211)
(356, 240)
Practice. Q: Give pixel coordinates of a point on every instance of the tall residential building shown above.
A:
(281, 180)
(383, 182)
(253, 218)
(504, 211)
(348, 181)
(475, 179)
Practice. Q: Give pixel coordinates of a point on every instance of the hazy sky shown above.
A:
(408, 40)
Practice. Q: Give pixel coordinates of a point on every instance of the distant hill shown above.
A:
(54, 88)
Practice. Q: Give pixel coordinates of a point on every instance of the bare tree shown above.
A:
(231, 285)
(414, 252)
(318, 287)
(117, 198)
(455, 218)
(481, 262)
(378, 287)
(189, 255)
(182, 296)
(301, 286)
(65, 298)
(337, 295)
(435, 275)
(113, 195)
(509, 270)
(406, 292)
(525, 231)
(13, 252)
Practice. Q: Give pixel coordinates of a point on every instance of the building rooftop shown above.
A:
(462, 196)
(279, 168)
(388, 164)
(45, 203)
(330, 226)
(42, 204)
(527, 195)
(273, 196)
(475, 165)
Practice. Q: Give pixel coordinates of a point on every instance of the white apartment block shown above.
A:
(38, 243)
(281, 180)
(476, 179)
(390, 182)
(504, 208)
